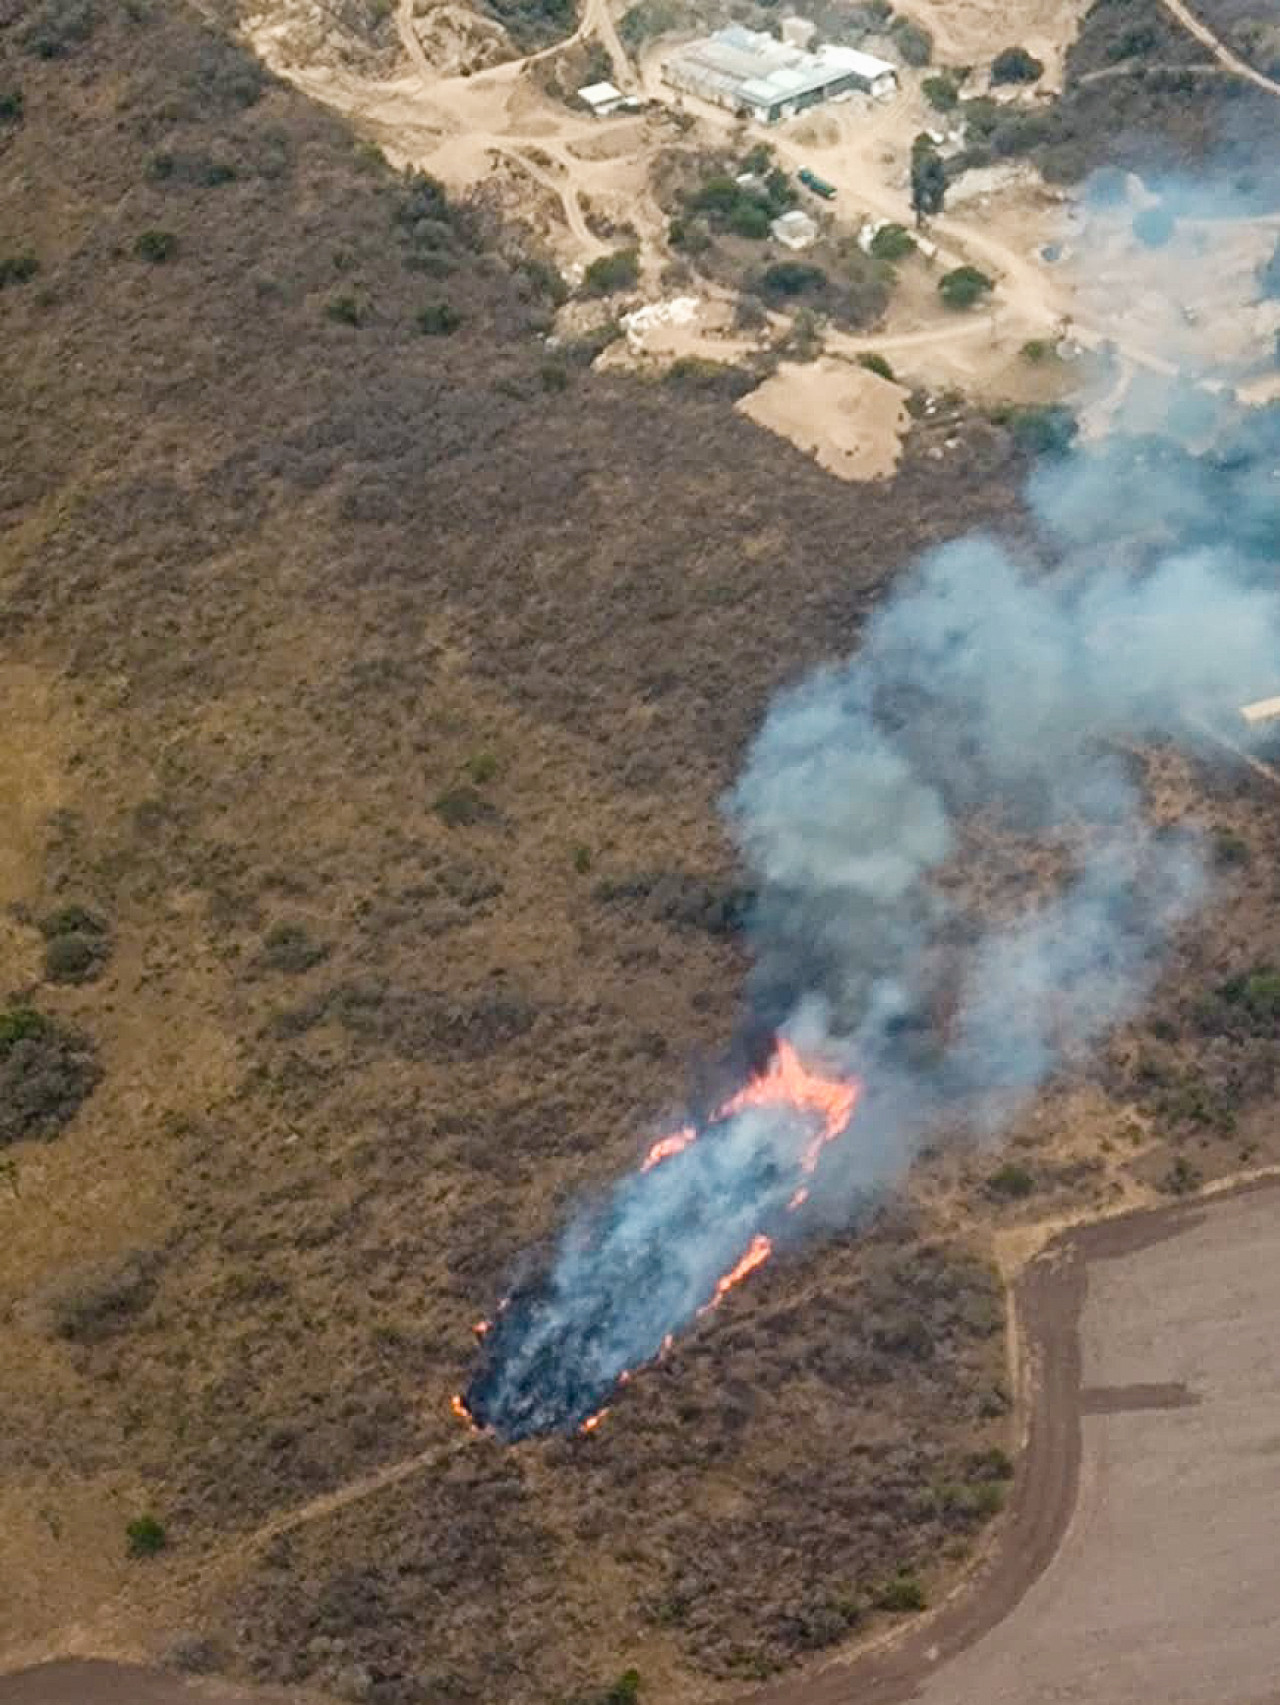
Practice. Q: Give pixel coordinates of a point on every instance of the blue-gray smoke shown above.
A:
(1009, 692)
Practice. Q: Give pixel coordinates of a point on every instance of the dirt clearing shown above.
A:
(851, 421)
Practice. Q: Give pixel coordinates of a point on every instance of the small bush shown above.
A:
(73, 958)
(964, 286)
(1182, 1177)
(914, 43)
(1038, 350)
(711, 378)
(46, 1071)
(626, 1690)
(345, 310)
(904, 1593)
(482, 767)
(875, 364)
(892, 243)
(610, 273)
(290, 947)
(18, 269)
(750, 219)
(10, 106)
(1230, 851)
(438, 319)
(690, 236)
(145, 1536)
(462, 807)
(1011, 1181)
(789, 278)
(58, 27)
(1016, 65)
(941, 92)
(1047, 430)
(156, 247)
(582, 859)
(554, 374)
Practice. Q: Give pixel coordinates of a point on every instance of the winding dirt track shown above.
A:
(1217, 48)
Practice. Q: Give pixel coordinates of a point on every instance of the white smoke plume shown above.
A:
(1012, 690)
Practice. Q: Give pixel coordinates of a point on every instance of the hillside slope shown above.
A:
(373, 688)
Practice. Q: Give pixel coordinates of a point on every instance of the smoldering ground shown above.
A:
(1018, 688)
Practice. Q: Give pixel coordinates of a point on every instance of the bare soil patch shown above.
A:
(851, 421)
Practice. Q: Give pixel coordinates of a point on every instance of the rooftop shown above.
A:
(766, 72)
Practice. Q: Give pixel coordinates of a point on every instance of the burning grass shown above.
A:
(699, 1216)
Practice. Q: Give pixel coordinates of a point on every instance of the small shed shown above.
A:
(602, 98)
(795, 230)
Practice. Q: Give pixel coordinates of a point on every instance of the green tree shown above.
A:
(618, 271)
(928, 179)
(964, 286)
(1016, 65)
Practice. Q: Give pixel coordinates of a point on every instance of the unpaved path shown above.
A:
(1220, 51)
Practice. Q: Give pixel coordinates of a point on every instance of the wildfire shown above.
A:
(462, 1412)
(785, 1082)
(826, 1106)
(665, 1147)
(758, 1252)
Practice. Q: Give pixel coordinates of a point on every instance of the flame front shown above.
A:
(625, 1282)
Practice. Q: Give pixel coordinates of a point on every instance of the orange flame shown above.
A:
(758, 1252)
(785, 1082)
(665, 1147)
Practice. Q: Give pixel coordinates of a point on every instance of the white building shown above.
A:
(602, 98)
(752, 74)
(794, 230)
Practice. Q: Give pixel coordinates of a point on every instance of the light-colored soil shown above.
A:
(850, 421)
(972, 32)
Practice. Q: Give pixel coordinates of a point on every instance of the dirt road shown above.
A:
(1217, 48)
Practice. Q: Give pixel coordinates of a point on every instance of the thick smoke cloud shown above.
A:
(1008, 690)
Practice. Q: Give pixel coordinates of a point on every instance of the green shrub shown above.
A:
(610, 273)
(913, 42)
(46, 1071)
(1016, 65)
(292, 948)
(750, 219)
(941, 92)
(461, 807)
(146, 1536)
(626, 1690)
(582, 859)
(74, 958)
(1011, 1181)
(438, 319)
(1182, 1177)
(690, 236)
(58, 27)
(554, 374)
(892, 243)
(964, 286)
(1038, 350)
(789, 278)
(1230, 851)
(157, 247)
(875, 364)
(345, 310)
(902, 1594)
(18, 269)
(10, 106)
(712, 378)
(1049, 429)
(482, 767)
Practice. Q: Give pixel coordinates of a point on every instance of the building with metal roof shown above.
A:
(751, 73)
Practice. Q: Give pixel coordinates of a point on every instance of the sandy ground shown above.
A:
(972, 32)
(851, 421)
